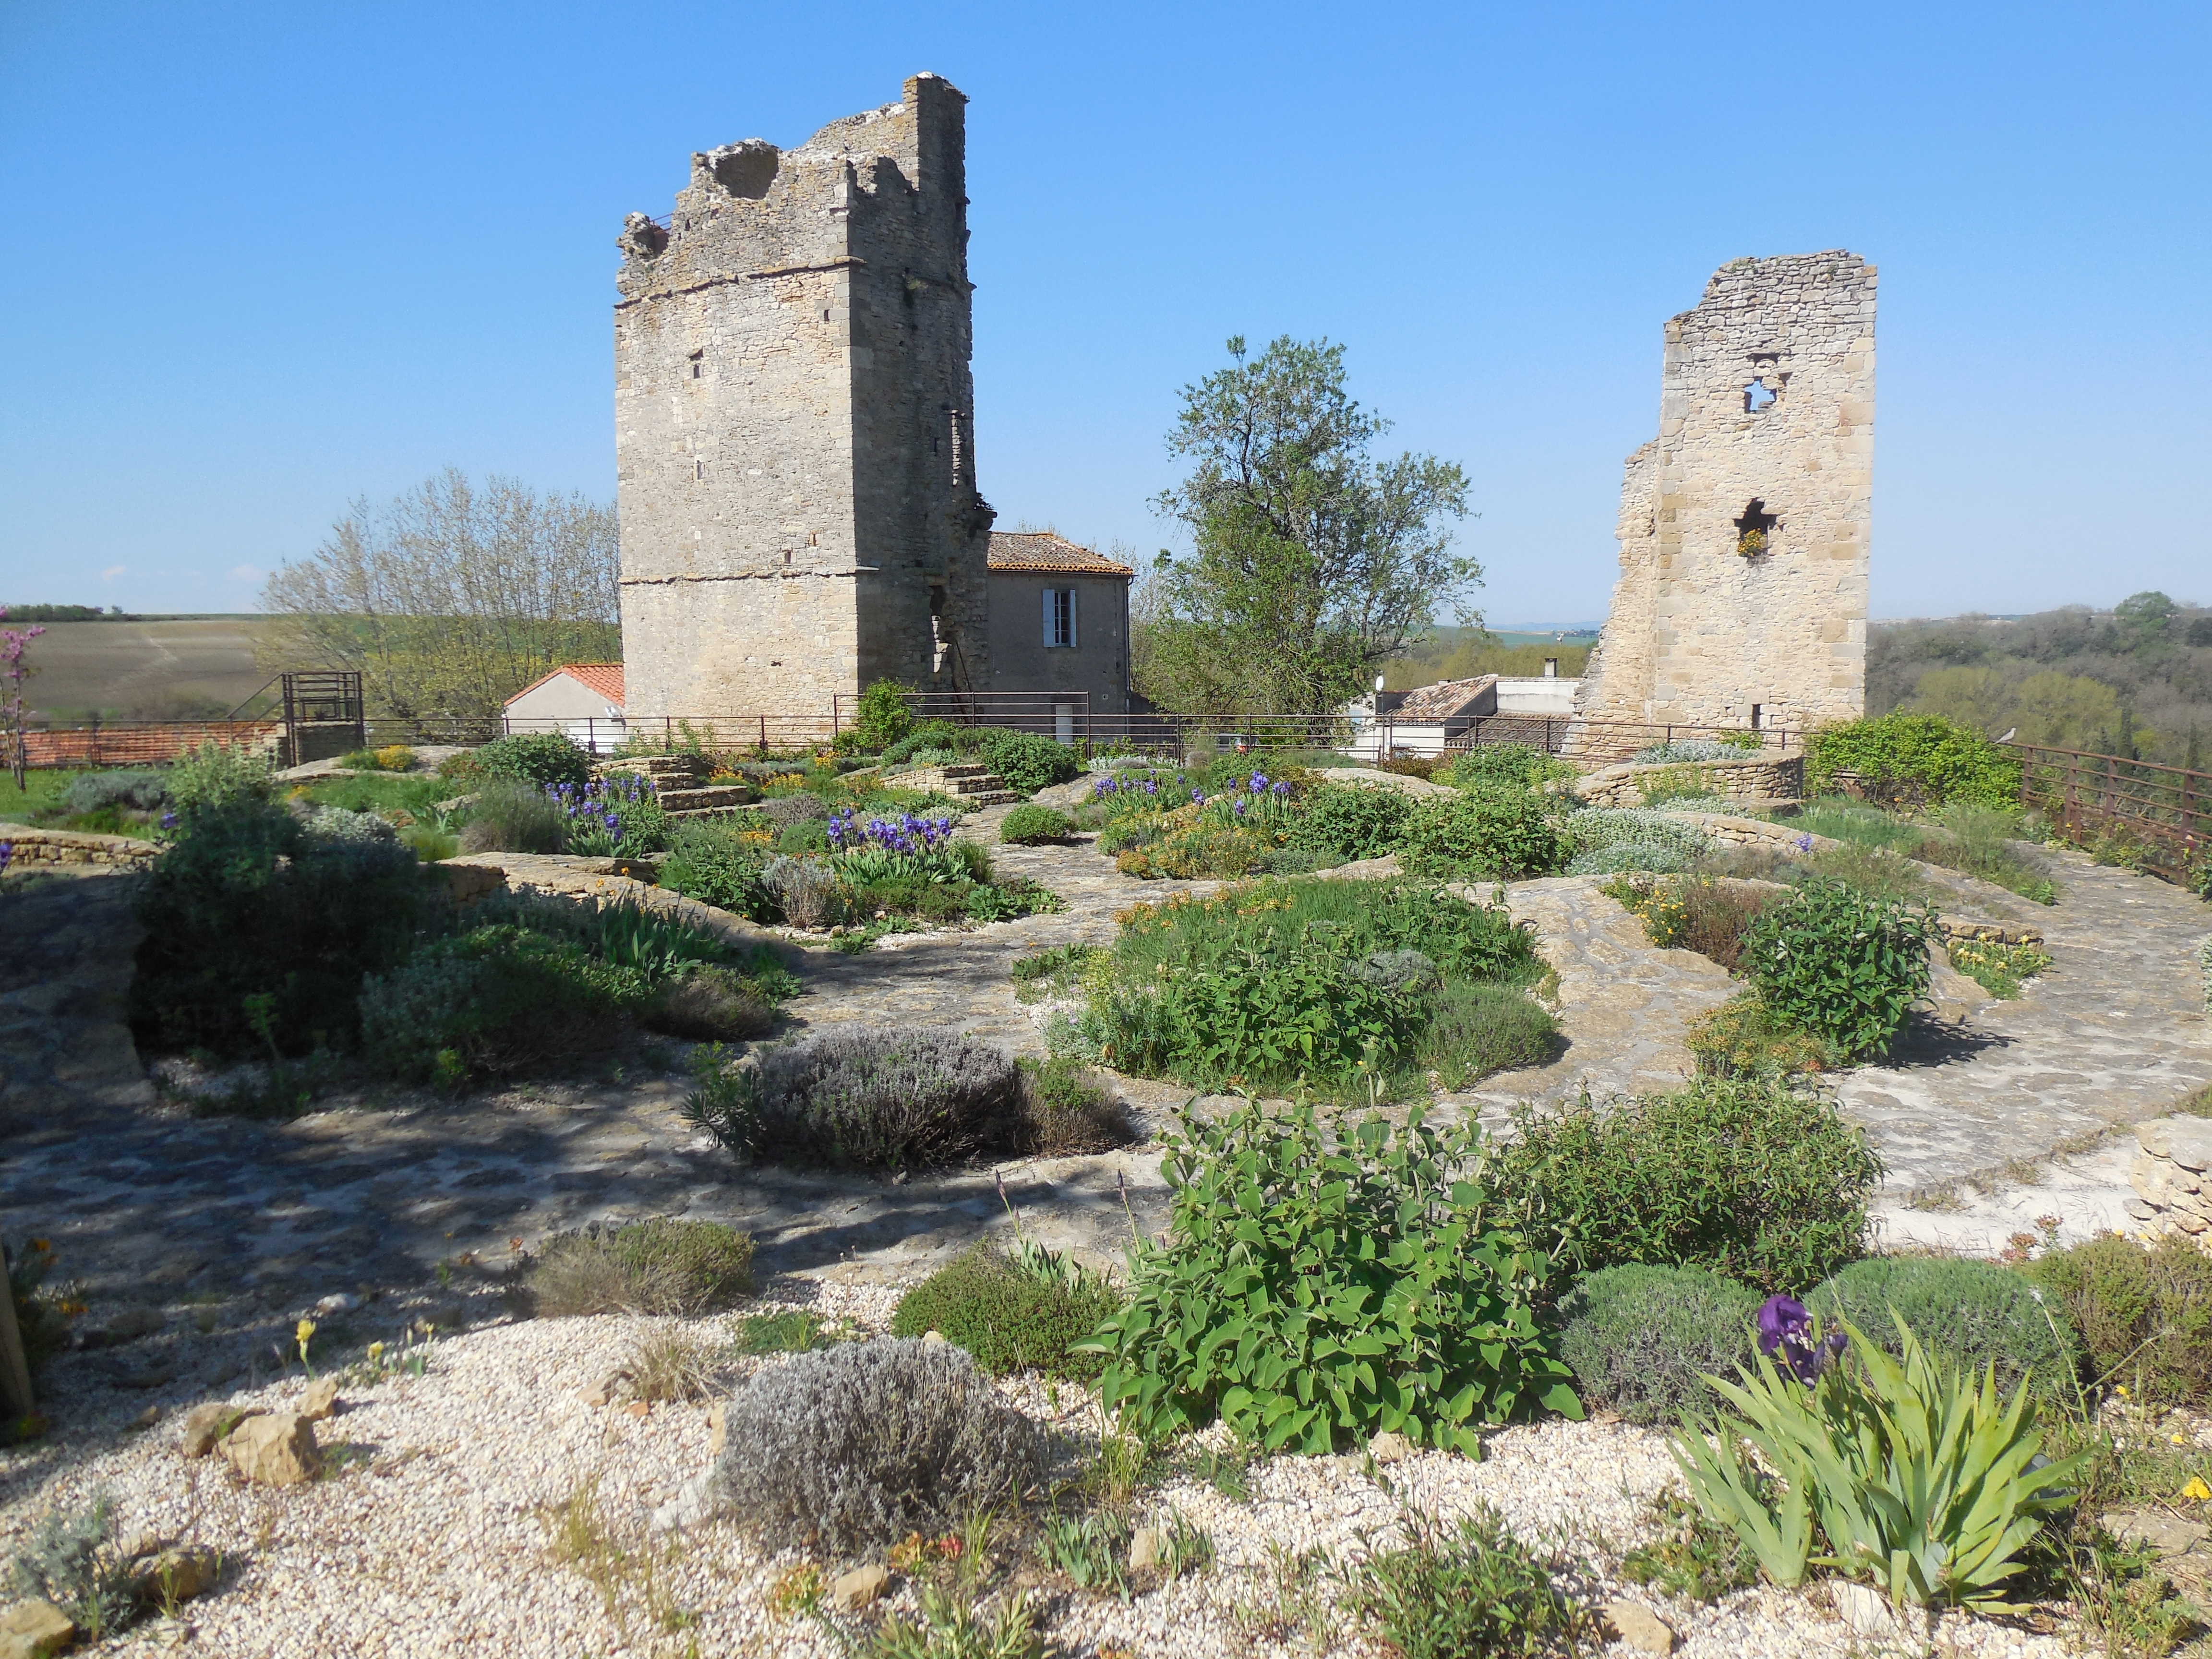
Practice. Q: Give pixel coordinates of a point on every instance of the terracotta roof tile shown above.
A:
(603, 678)
(1442, 700)
(1040, 549)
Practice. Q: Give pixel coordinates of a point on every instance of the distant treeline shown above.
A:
(54, 613)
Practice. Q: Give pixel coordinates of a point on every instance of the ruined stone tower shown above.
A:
(1744, 525)
(795, 423)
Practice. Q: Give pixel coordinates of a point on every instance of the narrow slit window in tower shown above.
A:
(1757, 396)
(1754, 530)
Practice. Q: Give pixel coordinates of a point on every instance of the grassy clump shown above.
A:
(1738, 1175)
(2145, 1315)
(663, 1266)
(1477, 1027)
(1476, 1591)
(1013, 1314)
(1744, 1038)
(1031, 826)
(1642, 1339)
(1971, 1314)
(1326, 983)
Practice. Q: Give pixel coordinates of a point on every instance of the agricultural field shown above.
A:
(165, 667)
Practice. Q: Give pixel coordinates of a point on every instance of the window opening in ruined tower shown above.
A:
(1754, 530)
(1758, 395)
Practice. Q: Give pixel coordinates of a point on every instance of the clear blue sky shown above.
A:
(268, 258)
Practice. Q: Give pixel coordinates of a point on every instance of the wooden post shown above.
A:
(15, 1367)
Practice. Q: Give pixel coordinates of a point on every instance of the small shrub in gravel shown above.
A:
(869, 1099)
(1068, 1110)
(714, 1005)
(1740, 1175)
(141, 791)
(788, 1330)
(70, 1560)
(2144, 1316)
(662, 1266)
(669, 1365)
(1010, 1318)
(857, 1446)
(1469, 1593)
(1477, 1027)
(1033, 826)
(1643, 1340)
(1971, 1313)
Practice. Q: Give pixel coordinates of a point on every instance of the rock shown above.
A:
(638, 1408)
(32, 1630)
(125, 1327)
(861, 1587)
(1863, 1610)
(689, 1507)
(603, 1392)
(335, 1305)
(932, 1336)
(320, 1402)
(2152, 1136)
(718, 1428)
(274, 1448)
(178, 1574)
(2168, 1535)
(202, 1422)
(147, 1419)
(1641, 1628)
(2190, 1144)
(1390, 1447)
(147, 1376)
(1148, 1546)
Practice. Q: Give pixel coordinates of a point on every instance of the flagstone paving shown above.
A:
(151, 1205)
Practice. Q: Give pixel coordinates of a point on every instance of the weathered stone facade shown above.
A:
(1744, 525)
(795, 423)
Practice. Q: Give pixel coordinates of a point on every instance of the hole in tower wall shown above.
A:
(1759, 396)
(746, 169)
(1754, 530)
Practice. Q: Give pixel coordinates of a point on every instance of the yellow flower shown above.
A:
(2196, 1491)
(376, 1352)
(2122, 1391)
(305, 1330)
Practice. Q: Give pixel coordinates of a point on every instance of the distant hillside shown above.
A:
(144, 669)
(2133, 680)
(1458, 653)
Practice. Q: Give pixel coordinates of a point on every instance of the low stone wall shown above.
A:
(1762, 778)
(47, 847)
(2173, 1174)
(1728, 831)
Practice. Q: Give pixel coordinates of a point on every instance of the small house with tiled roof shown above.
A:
(583, 699)
(1059, 618)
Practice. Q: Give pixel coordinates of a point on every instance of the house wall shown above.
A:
(1098, 663)
(560, 698)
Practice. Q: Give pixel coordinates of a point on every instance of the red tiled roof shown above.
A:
(605, 679)
(1040, 549)
(1442, 700)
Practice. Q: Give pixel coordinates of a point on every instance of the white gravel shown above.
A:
(435, 1536)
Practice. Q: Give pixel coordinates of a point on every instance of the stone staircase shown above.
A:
(970, 784)
(679, 784)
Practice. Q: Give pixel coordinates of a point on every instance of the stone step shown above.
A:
(711, 798)
(661, 768)
(708, 812)
(965, 770)
(990, 798)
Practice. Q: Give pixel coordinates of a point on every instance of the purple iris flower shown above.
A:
(613, 823)
(1240, 808)
(8, 852)
(1804, 843)
(1785, 1336)
(1197, 797)
(1152, 786)
(169, 821)
(1283, 787)
(1259, 782)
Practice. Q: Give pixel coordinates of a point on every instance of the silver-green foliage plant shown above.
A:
(1325, 1282)
(951, 1627)
(1599, 827)
(1904, 1471)
(69, 1559)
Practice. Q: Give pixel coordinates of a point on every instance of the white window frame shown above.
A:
(1053, 619)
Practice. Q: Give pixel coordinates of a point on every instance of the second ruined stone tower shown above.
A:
(795, 423)
(1745, 525)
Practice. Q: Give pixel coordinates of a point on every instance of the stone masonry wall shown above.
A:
(1749, 780)
(795, 423)
(2173, 1174)
(1767, 424)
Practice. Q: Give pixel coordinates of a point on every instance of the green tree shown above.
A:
(2145, 618)
(1312, 562)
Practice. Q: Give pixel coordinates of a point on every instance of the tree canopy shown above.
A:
(1313, 561)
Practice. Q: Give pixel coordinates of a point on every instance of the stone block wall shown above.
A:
(1758, 778)
(795, 423)
(1745, 526)
(2173, 1174)
(48, 847)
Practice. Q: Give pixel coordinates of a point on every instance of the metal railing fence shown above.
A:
(2093, 799)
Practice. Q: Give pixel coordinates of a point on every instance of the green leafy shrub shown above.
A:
(1642, 1339)
(1916, 758)
(1975, 1313)
(712, 1005)
(881, 722)
(719, 865)
(1068, 1111)
(877, 1098)
(247, 904)
(1477, 1593)
(213, 777)
(70, 1560)
(2145, 1315)
(1010, 1318)
(665, 1264)
(1833, 961)
(510, 815)
(1028, 826)
(1484, 831)
(42, 1313)
(1321, 1285)
(536, 758)
(1026, 761)
(930, 735)
(1914, 1473)
(1738, 1175)
(1504, 766)
(1350, 823)
(788, 1330)
(497, 998)
(1476, 1027)
(858, 1445)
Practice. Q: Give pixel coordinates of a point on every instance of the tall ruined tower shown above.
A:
(795, 423)
(1745, 525)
